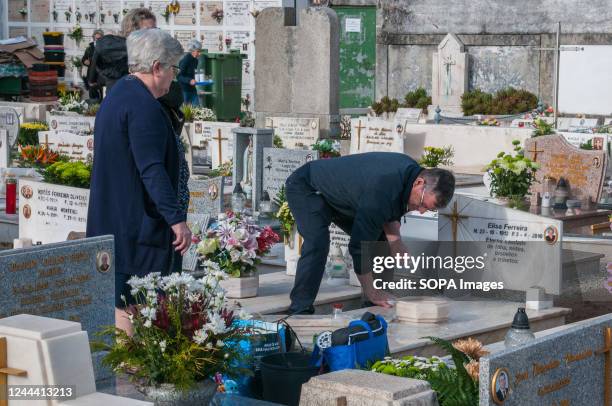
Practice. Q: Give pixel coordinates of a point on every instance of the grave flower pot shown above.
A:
(168, 395)
(240, 288)
(292, 250)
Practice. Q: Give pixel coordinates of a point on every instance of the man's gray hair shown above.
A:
(441, 182)
(149, 45)
(131, 21)
(194, 45)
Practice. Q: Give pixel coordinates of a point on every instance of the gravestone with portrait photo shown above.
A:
(374, 134)
(569, 367)
(72, 280)
(279, 163)
(584, 170)
(71, 122)
(248, 163)
(75, 147)
(49, 213)
(295, 132)
(206, 196)
(520, 249)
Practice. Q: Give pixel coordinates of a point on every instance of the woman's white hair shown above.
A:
(149, 45)
(194, 45)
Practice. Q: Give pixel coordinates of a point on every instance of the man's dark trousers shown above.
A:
(313, 217)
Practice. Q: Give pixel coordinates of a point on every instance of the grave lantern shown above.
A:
(519, 332)
(238, 199)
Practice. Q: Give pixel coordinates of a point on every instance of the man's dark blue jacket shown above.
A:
(134, 182)
(367, 190)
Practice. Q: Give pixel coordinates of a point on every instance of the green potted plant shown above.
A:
(291, 238)
(327, 149)
(542, 128)
(236, 244)
(184, 333)
(434, 157)
(511, 176)
(28, 132)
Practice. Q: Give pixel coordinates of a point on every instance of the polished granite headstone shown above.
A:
(73, 280)
(565, 368)
(206, 196)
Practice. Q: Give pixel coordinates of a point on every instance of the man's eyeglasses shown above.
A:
(425, 207)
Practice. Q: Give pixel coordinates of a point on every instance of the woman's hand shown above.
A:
(182, 239)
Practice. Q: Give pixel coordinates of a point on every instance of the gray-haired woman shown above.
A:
(187, 69)
(136, 172)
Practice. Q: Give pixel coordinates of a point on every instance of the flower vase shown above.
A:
(167, 394)
(240, 288)
(293, 247)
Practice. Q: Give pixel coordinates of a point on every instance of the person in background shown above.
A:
(171, 103)
(187, 69)
(94, 92)
(135, 177)
(110, 62)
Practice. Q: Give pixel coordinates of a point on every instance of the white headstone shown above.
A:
(71, 122)
(76, 147)
(31, 111)
(295, 132)
(49, 213)
(521, 249)
(216, 138)
(573, 124)
(377, 134)
(598, 141)
(4, 148)
(279, 163)
(54, 352)
(9, 121)
(449, 74)
(410, 116)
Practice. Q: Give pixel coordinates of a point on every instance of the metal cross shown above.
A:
(219, 139)
(455, 218)
(359, 127)
(5, 371)
(606, 352)
(448, 62)
(558, 50)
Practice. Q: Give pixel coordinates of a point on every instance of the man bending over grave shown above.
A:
(365, 195)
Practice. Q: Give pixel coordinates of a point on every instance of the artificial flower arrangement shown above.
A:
(327, 148)
(512, 175)
(28, 132)
(455, 383)
(71, 101)
(203, 114)
(284, 216)
(76, 34)
(184, 331)
(36, 156)
(236, 244)
(434, 157)
(491, 122)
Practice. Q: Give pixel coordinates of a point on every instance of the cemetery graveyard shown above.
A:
(503, 297)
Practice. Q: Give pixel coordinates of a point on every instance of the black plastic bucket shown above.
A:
(283, 374)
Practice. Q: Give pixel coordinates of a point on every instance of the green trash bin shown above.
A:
(222, 89)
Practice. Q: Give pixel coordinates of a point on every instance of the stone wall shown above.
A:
(499, 35)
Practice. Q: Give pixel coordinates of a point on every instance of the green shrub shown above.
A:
(28, 132)
(385, 105)
(76, 174)
(513, 101)
(417, 99)
(504, 102)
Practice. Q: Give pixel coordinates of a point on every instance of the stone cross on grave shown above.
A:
(359, 127)
(219, 139)
(455, 218)
(448, 62)
(535, 151)
(606, 351)
(5, 371)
